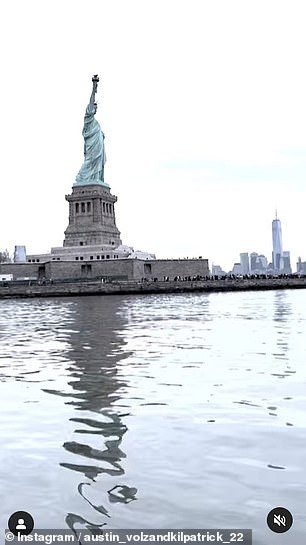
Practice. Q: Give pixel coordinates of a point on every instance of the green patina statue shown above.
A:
(92, 170)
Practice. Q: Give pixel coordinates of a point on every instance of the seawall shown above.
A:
(66, 289)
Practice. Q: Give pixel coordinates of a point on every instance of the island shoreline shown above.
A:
(73, 289)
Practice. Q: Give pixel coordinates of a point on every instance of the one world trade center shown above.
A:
(277, 253)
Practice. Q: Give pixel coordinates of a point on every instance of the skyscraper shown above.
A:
(245, 262)
(277, 253)
(253, 261)
(286, 263)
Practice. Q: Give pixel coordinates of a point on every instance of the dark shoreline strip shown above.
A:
(67, 289)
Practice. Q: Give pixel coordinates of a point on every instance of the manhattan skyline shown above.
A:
(204, 127)
(254, 262)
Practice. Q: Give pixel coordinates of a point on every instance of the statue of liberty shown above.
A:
(92, 170)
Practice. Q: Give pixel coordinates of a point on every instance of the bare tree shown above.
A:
(5, 257)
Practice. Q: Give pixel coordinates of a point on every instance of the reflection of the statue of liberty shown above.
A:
(95, 352)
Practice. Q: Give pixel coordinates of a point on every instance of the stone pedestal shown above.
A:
(92, 218)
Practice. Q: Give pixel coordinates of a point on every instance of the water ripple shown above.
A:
(111, 400)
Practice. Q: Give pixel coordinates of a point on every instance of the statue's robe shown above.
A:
(92, 170)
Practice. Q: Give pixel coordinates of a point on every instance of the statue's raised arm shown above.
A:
(92, 101)
(92, 170)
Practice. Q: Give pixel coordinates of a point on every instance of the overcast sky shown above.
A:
(203, 108)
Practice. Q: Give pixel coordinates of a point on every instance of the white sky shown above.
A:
(203, 107)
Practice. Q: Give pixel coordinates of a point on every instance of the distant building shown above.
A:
(258, 263)
(301, 266)
(253, 261)
(245, 263)
(262, 262)
(216, 270)
(237, 269)
(286, 265)
(277, 244)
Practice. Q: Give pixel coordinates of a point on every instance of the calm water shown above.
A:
(172, 411)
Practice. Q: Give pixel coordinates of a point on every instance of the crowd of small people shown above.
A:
(200, 278)
(178, 278)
